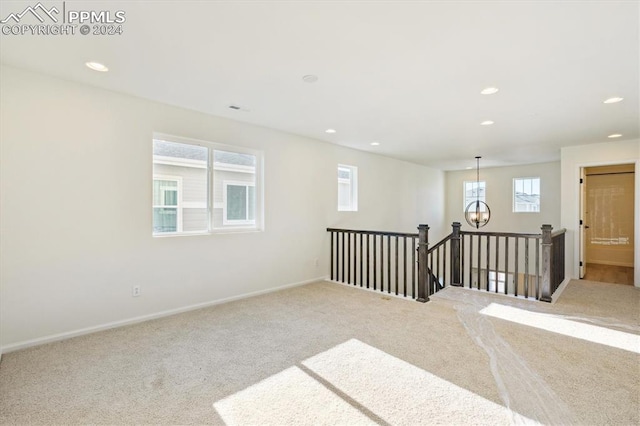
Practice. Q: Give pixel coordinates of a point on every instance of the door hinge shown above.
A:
(581, 180)
(580, 263)
(581, 222)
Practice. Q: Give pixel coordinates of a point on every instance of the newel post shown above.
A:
(423, 246)
(455, 255)
(547, 246)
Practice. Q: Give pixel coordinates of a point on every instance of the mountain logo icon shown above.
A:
(38, 11)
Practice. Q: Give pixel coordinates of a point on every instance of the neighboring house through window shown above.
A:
(167, 212)
(239, 203)
(474, 191)
(199, 188)
(526, 195)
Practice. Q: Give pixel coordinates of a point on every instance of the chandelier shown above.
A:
(477, 213)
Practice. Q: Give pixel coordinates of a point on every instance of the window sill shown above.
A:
(212, 232)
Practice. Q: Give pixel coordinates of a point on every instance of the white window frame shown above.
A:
(353, 188)
(179, 206)
(465, 200)
(513, 195)
(234, 222)
(256, 225)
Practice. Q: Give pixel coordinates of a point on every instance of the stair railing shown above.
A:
(518, 264)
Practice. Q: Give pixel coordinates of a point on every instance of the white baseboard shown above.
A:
(88, 330)
(409, 298)
(556, 294)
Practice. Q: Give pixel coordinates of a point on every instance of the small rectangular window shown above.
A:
(526, 195)
(201, 188)
(347, 188)
(474, 191)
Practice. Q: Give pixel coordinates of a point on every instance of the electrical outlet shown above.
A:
(135, 291)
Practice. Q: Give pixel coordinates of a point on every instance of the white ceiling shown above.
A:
(405, 74)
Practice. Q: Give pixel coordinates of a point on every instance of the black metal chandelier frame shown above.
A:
(477, 213)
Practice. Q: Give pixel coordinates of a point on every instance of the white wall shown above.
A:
(499, 197)
(76, 168)
(599, 154)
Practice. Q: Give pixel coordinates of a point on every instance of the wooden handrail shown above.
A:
(384, 233)
(501, 234)
(440, 243)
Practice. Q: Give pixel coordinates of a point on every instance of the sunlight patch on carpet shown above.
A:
(290, 397)
(604, 336)
(402, 394)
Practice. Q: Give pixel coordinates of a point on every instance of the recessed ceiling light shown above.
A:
(486, 123)
(330, 131)
(310, 78)
(489, 90)
(613, 100)
(97, 66)
(469, 168)
(615, 135)
(375, 143)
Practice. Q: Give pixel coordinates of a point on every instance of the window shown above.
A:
(526, 195)
(239, 205)
(347, 188)
(166, 209)
(472, 192)
(201, 187)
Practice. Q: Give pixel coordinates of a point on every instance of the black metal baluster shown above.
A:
(517, 260)
(526, 267)
(462, 260)
(431, 283)
(388, 263)
(404, 264)
(382, 263)
(488, 259)
(537, 268)
(368, 259)
(470, 260)
(332, 255)
(444, 263)
(506, 265)
(343, 257)
(348, 257)
(396, 267)
(479, 261)
(413, 267)
(361, 263)
(375, 261)
(497, 262)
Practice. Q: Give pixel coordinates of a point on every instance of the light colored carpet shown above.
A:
(328, 354)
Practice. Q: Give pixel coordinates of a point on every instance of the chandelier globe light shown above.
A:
(477, 213)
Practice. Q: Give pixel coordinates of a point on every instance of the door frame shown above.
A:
(583, 239)
(579, 238)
